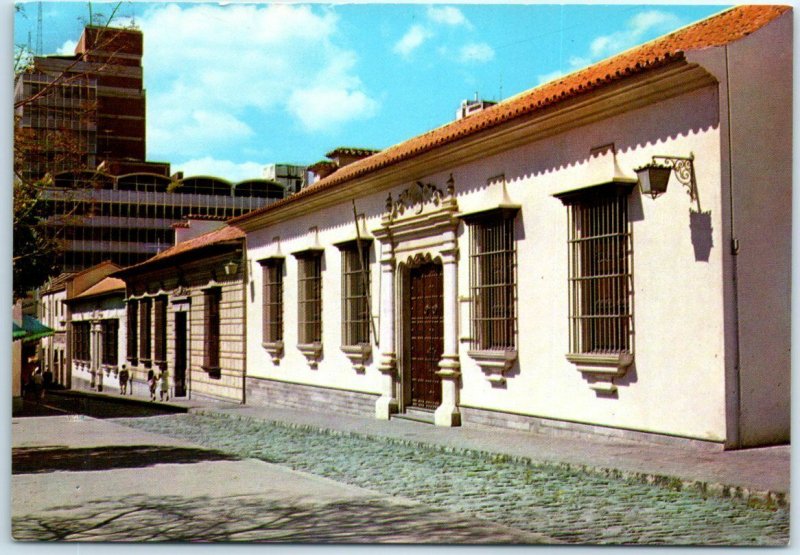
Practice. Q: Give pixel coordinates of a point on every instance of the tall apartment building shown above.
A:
(85, 109)
(81, 131)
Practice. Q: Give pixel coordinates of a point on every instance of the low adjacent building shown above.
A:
(56, 350)
(98, 335)
(184, 313)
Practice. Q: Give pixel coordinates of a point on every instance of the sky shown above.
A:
(234, 86)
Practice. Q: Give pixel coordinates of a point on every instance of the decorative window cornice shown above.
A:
(611, 188)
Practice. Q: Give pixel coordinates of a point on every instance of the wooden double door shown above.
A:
(426, 335)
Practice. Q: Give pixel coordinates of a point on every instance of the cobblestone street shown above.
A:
(548, 499)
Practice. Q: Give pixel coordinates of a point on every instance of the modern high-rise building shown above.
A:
(81, 136)
(85, 109)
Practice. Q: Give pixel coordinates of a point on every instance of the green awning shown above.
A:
(31, 329)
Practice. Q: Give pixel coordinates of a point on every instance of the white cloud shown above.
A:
(68, 48)
(447, 15)
(412, 40)
(476, 52)
(320, 107)
(637, 27)
(232, 171)
(547, 77)
(210, 68)
(418, 34)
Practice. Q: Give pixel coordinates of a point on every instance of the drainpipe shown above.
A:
(734, 431)
(245, 284)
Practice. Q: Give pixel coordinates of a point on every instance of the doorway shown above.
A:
(181, 345)
(425, 335)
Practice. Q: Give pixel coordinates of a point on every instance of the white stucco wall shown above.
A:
(52, 347)
(677, 383)
(97, 310)
(761, 181)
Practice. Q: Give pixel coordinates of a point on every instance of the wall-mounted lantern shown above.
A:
(654, 177)
(230, 268)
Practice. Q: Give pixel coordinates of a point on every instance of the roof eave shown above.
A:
(621, 94)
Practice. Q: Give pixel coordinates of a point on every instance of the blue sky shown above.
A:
(233, 87)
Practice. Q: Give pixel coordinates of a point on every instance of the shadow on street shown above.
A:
(251, 519)
(37, 460)
(57, 403)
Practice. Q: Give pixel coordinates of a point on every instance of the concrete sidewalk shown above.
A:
(759, 474)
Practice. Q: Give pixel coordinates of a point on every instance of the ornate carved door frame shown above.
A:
(419, 225)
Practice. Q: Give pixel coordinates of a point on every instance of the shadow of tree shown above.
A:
(37, 460)
(145, 518)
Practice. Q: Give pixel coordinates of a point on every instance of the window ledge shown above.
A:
(600, 369)
(358, 355)
(312, 352)
(108, 368)
(494, 363)
(275, 350)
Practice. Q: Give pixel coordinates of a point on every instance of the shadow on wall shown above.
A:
(700, 227)
(143, 518)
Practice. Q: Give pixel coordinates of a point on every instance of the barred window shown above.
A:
(599, 274)
(145, 321)
(160, 338)
(110, 330)
(133, 326)
(81, 341)
(272, 307)
(211, 301)
(309, 301)
(355, 289)
(493, 266)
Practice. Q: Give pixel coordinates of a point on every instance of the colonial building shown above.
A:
(56, 350)
(185, 313)
(524, 267)
(98, 335)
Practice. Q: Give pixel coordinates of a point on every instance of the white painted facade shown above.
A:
(709, 360)
(93, 373)
(53, 314)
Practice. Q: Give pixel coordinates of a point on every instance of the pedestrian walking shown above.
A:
(38, 384)
(164, 385)
(123, 380)
(151, 383)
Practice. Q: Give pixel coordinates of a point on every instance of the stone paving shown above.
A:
(553, 500)
(80, 479)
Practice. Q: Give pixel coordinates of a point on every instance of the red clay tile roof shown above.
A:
(321, 165)
(106, 285)
(351, 151)
(226, 234)
(721, 29)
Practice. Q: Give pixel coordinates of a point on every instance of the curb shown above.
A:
(754, 498)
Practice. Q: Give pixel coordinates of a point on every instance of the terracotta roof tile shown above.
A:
(222, 235)
(351, 151)
(721, 29)
(106, 285)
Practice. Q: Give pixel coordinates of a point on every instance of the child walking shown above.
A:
(151, 382)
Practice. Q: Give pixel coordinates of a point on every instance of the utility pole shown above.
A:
(39, 29)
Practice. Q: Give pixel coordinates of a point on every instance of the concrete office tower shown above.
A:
(81, 131)
(86, 109)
